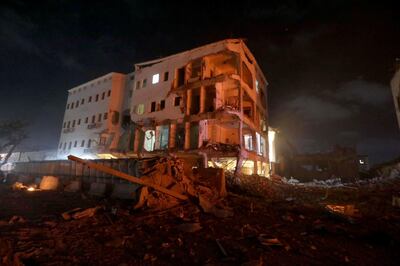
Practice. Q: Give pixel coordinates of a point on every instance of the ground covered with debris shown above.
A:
(272, 223)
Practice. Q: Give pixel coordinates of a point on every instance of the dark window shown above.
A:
(77, 104)
(69, 145)
(130, 93)
(99, 118)
(65, 124)
(90, 99)
(89, 142)
(93, 119)
(180, 76)
(97, 97)
(166, 74)
(60, 145)
(83, 143)
(103, 95)
(82, 101)
(86, 120)
(79, 121)
(105, 116)
(162, 104)
(67, 106)
(109, 93)
(144, 83)
(69, 123)
(153, 107)
(72, 105)
(138, 85)
(177, 101)
(75, 143)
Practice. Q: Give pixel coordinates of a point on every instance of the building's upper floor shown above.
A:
(228, 62)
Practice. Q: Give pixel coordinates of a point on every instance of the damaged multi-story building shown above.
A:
(95, 114)
(209, 102)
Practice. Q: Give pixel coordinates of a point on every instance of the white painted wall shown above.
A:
(113, 82)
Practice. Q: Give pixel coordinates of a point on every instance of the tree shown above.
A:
(12, 133)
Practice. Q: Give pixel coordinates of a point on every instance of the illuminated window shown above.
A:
(140, 109)
(156, 78)
(248, 142)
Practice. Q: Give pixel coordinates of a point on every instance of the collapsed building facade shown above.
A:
(208, 102)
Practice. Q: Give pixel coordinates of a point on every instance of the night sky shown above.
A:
(328, 63)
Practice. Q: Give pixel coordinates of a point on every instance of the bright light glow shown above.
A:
(248, 167)
(31, 189)
(156, 78)
(361, 161)
(106, 156)
(271, 145)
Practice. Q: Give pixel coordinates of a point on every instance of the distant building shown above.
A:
(209, 101)
(93, 116)
(395, 84)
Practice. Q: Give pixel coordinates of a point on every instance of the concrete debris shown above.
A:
(211, 208)
(78, 213)
(16, 219)
(347, 210)
(265, 241)
(19, 186)
(263, 229)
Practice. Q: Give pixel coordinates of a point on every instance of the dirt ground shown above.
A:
(293, 228)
